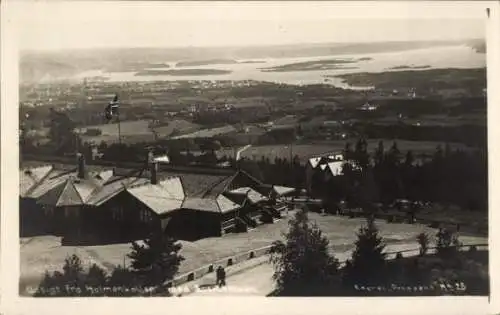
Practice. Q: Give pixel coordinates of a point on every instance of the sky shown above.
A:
(63, 25)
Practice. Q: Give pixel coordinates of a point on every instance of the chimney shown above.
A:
(81, 165)
(154, 173)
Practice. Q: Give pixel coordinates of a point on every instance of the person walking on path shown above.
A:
(218, 276)
(222, 277)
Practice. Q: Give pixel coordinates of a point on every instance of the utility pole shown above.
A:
(119, 129)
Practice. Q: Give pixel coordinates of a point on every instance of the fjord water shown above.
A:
(460, 56)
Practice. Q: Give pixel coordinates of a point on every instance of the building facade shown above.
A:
(98, 204)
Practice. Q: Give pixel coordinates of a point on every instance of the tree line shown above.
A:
(450, 177)
(153, 263)
(305, 266)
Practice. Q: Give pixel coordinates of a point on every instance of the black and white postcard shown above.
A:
(266, 150)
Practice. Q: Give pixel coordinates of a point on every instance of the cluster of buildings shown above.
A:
(368, 107)
(98, 204)
(325, 166)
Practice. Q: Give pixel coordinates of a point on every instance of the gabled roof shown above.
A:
(219, 204)
(55, 178)
(30, 177)
(70, 196)
(161, 198)
(324, 158)
(58, 185)
(196, 185)
(243, 179)
(314, 161)
(112, 187)
(246, 192)
(218, 188)
(335, 168)
(226, 204)
(92, 182)
(65, 194)
(282, 190)
(48, 189)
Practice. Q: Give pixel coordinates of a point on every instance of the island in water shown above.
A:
(406, 67)
(430, 79)
(197, 63)
(183, 72)
(332, 64)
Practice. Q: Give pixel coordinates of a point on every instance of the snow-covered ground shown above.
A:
(254, 278)
(46, 253)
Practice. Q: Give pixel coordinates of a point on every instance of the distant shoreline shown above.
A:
(315, 65)
(197, 63)
(407, 67)
(447, 78)
(183, 72)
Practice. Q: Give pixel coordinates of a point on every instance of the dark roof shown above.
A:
(243, 179)
(112, 187)
(218, 188)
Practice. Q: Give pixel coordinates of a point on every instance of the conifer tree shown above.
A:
(361, 156)
(122, 277)
(379, 153)
(73, 271)
(96, 276)
(424, 241)
(447, 243)
(409, 159)
(302, 264)
(157, 260)
(367, 265)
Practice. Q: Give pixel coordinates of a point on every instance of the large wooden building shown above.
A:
(318, 168)
(99, 204)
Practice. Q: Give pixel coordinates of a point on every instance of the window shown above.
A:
(145, 215)
(48, 211)
(117, 213)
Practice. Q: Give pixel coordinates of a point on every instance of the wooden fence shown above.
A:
(239, 258)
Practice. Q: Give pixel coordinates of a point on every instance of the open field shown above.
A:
(45, 252)
(305, 151)
(434, 120)
(127, 128)
(207, 133)
(138, 131)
